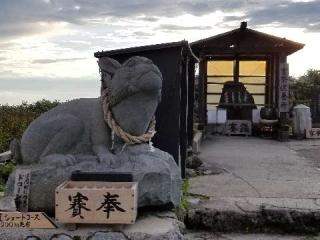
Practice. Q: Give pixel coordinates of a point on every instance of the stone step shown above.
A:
(248, 214)
(151, 225)
(205, 235)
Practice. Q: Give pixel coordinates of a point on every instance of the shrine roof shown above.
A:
(245, 40)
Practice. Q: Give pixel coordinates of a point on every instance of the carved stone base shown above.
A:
(156, 171)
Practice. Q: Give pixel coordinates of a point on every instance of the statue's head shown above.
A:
(136, 75)
(134, 90)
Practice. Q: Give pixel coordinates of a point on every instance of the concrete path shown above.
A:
(260, 178)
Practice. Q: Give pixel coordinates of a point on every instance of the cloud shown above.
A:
(24, 17)
(47, 84)
(143, 34)
(203, 7)
(47, 60)
(149, 18)
(283, 14)
(14, 90)
(314, 27)
(174, 27)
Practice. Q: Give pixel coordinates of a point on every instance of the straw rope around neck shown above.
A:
(115, 127)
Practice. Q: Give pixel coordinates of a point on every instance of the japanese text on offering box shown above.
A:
(25, 220)
(96, 202)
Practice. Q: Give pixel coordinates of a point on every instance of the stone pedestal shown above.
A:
(149, 226)
(156, 172)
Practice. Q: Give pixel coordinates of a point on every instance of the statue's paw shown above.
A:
(105, 159)
(68, 160)
(110, 160)
(115, 161)
(59, 160)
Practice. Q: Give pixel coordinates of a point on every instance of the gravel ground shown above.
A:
(312, 154)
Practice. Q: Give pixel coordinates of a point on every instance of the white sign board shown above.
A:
(217, 116)
(27, 220)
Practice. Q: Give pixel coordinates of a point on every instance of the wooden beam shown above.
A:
(244, 50)
(202, 92)
(183, 114)
(191, 97)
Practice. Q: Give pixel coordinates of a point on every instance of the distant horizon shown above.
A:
(47, 46)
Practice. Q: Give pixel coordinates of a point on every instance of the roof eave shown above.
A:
(289, 44)
(108, 53)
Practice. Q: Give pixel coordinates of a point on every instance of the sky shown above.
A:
(47, 46)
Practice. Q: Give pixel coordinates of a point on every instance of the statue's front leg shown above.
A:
(60, 160)
(106, 157)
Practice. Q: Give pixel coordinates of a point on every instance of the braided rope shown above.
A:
(114, 126)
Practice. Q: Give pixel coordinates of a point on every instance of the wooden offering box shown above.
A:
(313, 133)
(238, 127)
(96, 202)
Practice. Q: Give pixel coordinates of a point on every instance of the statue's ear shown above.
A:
(108, 65)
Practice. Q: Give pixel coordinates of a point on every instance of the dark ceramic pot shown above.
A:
(268, 113)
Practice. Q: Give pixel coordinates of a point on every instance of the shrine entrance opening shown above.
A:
(252, 73)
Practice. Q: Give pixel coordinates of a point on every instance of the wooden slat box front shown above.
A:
(313, 133)
(96, 202)
(238, 127)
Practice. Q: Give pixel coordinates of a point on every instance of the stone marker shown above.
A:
(21, 189)
(301, 120)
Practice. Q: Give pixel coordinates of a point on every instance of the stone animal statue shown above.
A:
(107, 134)
(76, 130)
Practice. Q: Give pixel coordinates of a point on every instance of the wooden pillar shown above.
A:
(202, 97)
(183, 115)
(269, 82)
(275, 85)
(236, 69)
(191, 79)
(283, 89)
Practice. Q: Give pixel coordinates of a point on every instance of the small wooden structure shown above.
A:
(175, 112)
(97, 202)
(243, 55)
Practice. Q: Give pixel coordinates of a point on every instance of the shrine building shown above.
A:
(242, 75)
(242, 70)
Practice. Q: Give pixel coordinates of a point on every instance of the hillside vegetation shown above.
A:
(15, 119)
